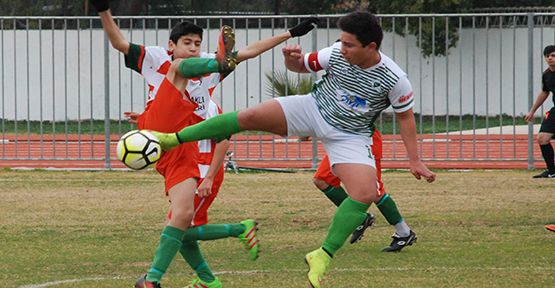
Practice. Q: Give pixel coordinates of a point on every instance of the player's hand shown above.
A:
(293, 58)
(100, 5)
(132, 117)
(419, 170)
(304, 27)
(529, 117)
(205, 188)
(292, 52)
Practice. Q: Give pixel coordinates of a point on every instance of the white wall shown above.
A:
(472, 79)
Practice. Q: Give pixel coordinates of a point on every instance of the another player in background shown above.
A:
(341, 110)
(331, 186)
(173, 104)
(547, 129)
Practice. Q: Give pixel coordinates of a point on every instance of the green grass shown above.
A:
(427, 124)
(100, 229)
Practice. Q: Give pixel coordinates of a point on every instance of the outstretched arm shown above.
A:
(259, 47)
(114, 34)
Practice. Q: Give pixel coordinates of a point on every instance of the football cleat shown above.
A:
(359, 232)
(545, 174)
(399, 242)
(143, 283)
(550, 227)
(198, 283)
(318, 262)
(224, 55)
(248, 238)
(167, 140)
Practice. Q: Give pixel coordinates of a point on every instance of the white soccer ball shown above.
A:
(138, 149)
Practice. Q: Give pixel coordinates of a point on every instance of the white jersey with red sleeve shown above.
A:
(153, 63)
(351, 98)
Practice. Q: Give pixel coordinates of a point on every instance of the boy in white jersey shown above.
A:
(359, 83)
(330, 185)
(170, 105)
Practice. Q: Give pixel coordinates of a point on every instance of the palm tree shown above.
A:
(281, 84)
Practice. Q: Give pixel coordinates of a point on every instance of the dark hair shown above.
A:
(548, 50)
(184, 28)
(364, 26)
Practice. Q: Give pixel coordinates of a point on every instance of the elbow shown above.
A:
(119, 47)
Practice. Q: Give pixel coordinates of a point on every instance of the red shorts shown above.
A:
(324, 170)
(167, 113)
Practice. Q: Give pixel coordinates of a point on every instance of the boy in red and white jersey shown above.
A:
(181, 80)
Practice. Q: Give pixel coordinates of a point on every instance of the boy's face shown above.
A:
(186, 47)
(354, 52)
(550, 59)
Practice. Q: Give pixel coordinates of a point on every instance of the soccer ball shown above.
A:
(138, 149)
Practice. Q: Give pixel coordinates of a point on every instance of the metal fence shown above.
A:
(63, 89)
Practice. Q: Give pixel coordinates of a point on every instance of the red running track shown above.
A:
(266, 151)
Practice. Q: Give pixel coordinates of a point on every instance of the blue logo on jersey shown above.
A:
(353, 101)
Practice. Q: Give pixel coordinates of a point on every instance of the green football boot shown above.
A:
(318, 262)
(248, 238)
(167, 140)
(198, 283)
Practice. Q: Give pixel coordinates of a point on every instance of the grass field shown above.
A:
(99, 229)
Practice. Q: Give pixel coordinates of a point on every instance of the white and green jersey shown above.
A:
(351, 98)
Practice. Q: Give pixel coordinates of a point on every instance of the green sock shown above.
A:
(191, 253)
(194, 67)
(213, 231)
(335, 194)
(218, 128)
(170, 242)
(346, 219)
(389, 210)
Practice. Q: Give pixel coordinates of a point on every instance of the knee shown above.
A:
(246, 117)
(174, 67)
(364, 198)
(181, 217)
(320, 184)
(363, 195)
(543, 138)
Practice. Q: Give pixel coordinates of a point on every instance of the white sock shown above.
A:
(402, 229)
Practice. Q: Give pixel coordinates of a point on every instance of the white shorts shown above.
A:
(304, 119)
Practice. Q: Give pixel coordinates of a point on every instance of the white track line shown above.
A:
(48, 284)
(247, 272)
